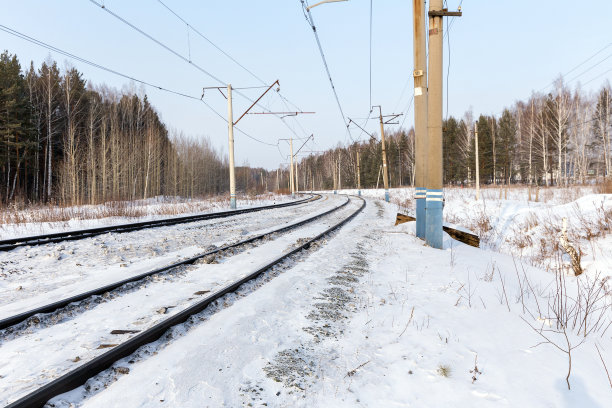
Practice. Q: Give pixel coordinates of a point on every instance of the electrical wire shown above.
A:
(588, 69)
(211, 43)
(581, 64)
(189, 26)
(406, 111)
(310, 21)
(371, 53)
(35, 41)
(597, 77)
(93, 64)
(448, 64)
(150, 37)
(182, 57)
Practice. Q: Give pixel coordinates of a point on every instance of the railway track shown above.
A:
(13, 320)
(9, 244)
(102, 362)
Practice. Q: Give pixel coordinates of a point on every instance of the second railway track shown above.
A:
(37, 312)
(9, 244)
(105, 360)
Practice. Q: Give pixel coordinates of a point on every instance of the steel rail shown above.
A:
(80, 375)
(51, 307)
(9, 244)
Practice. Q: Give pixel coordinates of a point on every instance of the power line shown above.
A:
(588, 69)
(185, 59)
(35, 41)
(118, 17)
(598, 76)
(211, 43)
(406, 111)
(310, 21)
(448, 64)
(370, 53)
(581, 64)
(93, 64)
(189, 26)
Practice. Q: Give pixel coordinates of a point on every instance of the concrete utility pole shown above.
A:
(434, 201)
(384, 155)
(358, 175)
(231, 124)
(477, 165)
(232, 169)
(297, 178)
(294, 181)
(383, 122)
(291, 166)
(339, 172)
(420, 112)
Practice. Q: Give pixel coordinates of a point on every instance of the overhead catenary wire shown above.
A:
(195, 30)
(93, 64)
(310, 20)
(179, 55)
(50, 47)
(234, 60)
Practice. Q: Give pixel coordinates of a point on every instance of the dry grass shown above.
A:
(444, 370)
(19, 214)
(604, 187)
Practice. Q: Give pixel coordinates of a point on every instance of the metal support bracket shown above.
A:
(445, 13)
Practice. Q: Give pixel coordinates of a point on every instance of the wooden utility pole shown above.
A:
(477, 165)
(434, 200)
(232, 170)
(420, 112)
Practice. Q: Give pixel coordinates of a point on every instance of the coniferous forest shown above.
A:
(65, 141)
(557, 138)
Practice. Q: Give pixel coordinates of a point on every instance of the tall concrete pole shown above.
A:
(297, 178)
(358, 175)
(291, 166)
(420, 111)
(339, 172)
(384, 156)
(232, 169)
(477, 165)
(434, 195)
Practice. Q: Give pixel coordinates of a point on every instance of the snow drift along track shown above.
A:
(7, 245)
(80, 375)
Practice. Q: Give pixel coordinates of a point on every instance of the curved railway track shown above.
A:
(81, 374)
(9, 244)
(10, 321)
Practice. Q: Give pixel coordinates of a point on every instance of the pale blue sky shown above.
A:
(500, 52)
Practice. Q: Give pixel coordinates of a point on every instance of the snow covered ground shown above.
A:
(371, 318)
(46, 220)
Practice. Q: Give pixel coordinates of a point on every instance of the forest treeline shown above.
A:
(556, 138)
(65, 141)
